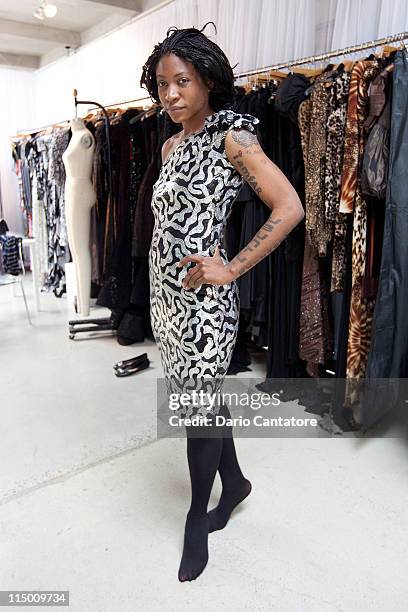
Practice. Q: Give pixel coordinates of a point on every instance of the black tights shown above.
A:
(205, 456)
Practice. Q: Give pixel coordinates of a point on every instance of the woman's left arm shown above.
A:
(273, 188)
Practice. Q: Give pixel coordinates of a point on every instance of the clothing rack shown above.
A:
(27, 132)
(124, 102)
(402, 36)
(318, 58)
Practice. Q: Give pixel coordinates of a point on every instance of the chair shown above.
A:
(9, 279)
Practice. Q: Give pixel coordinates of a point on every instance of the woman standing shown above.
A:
(194, 312)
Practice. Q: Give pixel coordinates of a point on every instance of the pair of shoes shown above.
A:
(132, 366)
(126, 363)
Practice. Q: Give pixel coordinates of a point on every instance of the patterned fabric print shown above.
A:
(361, 308)
(11, 246)
(196, 329)
(56, 252)
(319, 229)
(359, 341)
(315, 336)
(56, 177)
(357, 101)
(339, 253)
(40, 231)
(336, 125)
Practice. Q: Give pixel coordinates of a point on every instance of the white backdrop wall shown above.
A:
(16, 108)
(108, 70)
(252, 34)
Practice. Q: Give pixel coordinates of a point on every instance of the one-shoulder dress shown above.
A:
(194, 329)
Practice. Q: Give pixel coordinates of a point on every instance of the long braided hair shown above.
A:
(207, 58)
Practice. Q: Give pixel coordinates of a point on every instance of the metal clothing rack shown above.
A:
(318, 58)
(106, 121)
(298, 62)
(27, 132)
(124, 102)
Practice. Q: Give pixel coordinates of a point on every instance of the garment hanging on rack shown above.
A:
(122, 226)
(43, 200)
(388, 356)
(280, 140)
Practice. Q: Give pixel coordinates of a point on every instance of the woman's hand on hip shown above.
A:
(207, 270)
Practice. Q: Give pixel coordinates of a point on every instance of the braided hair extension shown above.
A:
(207, 58)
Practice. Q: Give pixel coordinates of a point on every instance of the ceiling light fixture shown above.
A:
(50, 10)
(39, 13)
(46, 9)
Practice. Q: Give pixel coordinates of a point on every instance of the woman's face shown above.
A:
(182, 91)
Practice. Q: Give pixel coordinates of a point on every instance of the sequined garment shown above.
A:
(315, 333)
(195, 329)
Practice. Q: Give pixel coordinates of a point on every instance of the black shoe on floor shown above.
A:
(138, 367)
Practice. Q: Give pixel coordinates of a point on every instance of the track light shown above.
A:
(50, 10)
(39, 13)
(46, 9)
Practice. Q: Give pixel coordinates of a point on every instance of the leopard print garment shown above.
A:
(336, 124)
(319, 227)
(361, 308)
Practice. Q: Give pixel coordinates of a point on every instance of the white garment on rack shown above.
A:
(40, 231)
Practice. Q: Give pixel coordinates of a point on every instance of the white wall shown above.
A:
(16, 110)
(108, 70)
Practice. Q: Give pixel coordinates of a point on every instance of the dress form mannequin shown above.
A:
(79, 199)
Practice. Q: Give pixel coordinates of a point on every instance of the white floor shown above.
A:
(92, 503)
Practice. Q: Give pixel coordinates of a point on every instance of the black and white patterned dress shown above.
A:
(195, 329)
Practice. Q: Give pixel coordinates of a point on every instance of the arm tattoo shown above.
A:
(263, 243)
(274, 230)
(244, 138)
(246, 173)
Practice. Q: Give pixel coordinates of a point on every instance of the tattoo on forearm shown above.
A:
(241, 259)
(259, 236)
(246, 173)
(263, 242)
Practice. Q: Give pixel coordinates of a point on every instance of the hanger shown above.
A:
(256, 81)
(276, 75)
(88, 117)
(149, 112)
(386, 50)
(155, 108)
(348, 65)
(309, 72)
(116, 115)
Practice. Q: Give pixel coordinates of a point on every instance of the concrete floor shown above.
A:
(92, 503)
